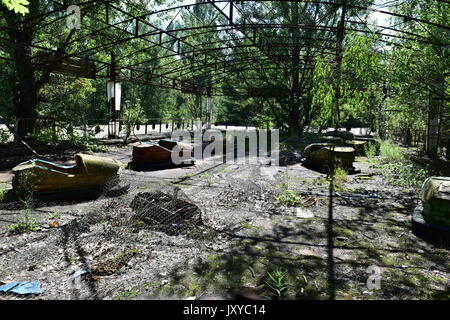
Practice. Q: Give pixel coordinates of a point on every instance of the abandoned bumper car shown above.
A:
(348, 139)
(431, 219)
(326, 156)
(161, 155)
(46, 180)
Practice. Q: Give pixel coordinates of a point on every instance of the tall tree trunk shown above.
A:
(294, 111)
(25, 85)
(25, 108)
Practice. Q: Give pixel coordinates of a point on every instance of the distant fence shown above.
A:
(55, 129)
(417, 138)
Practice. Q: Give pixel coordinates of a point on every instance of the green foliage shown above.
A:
(370, 150)
(276, 282)
(45, 135)
(340, 176)
(129, 294)
(4, 135)
(405, 173)
(391, 151)
(211, 181)
(18, 6)
(26, 223)
(290, 199)
(132, 115)
(373, 77)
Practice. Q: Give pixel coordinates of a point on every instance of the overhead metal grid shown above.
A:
(197, 56)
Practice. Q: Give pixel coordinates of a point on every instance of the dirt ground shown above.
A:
(325, 243)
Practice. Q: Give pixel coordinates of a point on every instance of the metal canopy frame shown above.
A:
(198, 58)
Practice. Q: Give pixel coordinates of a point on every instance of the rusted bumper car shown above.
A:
(163, 154)
(431, 219)
(326, 156)
(47, 180)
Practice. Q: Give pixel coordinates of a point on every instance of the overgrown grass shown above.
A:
(340, 176)
(390, 151)
(405, 173)
(396, 166)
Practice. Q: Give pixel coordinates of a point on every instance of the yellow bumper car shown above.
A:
(43, 178)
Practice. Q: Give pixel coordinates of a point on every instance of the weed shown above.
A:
(117, 257)
(389, 261)
(129, 294)
(340, 176)
(211, 181)
(344, 232)
(54, 215)
(96, 148)
(27, 223)
(193, 288)
(290, 199)
(276, 282)
(249, 226)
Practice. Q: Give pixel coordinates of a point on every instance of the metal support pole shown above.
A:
(434, 107)
(208, 112)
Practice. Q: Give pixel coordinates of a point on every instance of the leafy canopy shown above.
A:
(18, 6)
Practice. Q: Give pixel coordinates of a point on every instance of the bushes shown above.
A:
(82, 141)
(87, 142)
(405, 174)
(371, 149)
(397, 167)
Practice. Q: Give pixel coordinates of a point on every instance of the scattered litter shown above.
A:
(53, 224)
(22, 288)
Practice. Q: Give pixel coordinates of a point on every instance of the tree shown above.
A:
(18, 6)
